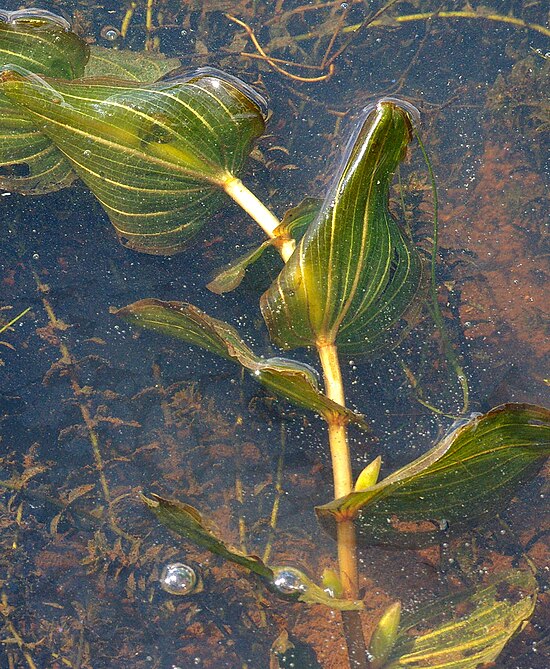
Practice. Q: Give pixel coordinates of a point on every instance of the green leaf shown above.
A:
(294, 224)
(472, 473)
(186, 521)
(230, 276)
(295, 381)
(42, 43)
(126, 65)
(286, 582)
(496, 611)
(355, 277)
(385, 634)
(157, 156)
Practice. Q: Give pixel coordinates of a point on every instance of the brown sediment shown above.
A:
(497, 229)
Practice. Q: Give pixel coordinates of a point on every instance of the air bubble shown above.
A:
(179, 579)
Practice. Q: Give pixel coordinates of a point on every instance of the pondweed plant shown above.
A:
(161, 157)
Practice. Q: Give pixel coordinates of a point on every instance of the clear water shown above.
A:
(92, 411)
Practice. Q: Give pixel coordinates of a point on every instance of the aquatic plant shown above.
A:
(159, 156)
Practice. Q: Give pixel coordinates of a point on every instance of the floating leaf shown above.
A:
(126, 65)
(473, 472)
(41, 42)
(355, 277)
(293, 225)
(496, 611)
(293, 380)
(157, 156)
(286, 582)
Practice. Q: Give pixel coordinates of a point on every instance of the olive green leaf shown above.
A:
(472, 473)
(294, 223)
(230, 276)
(157, 156)
(126, 65)
(457, 640)
(286, 582)
(42, 43)
(293, 380)
(355, 276)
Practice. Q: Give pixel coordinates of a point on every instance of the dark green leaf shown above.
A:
(286, 582)
(157, 156)
(125, 65)
(355, 277)
(292, 380)
(229, 277)
(42, 43)
(473, 472)
(186, 521)
(294, 224)
(496, 611)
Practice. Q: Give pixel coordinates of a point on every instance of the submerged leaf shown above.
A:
(473, 472)
(355, 277)
(293, 225)
(186, 521)
(496, 611)
(295, 381)
(286, 582)
(230, 276)
(157, 156)
(41, 42)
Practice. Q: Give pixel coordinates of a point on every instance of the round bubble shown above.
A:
(178, 579)
(289, 581)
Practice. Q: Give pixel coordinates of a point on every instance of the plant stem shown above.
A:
(343, 484)
(259, 212)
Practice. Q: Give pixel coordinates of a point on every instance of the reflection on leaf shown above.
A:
(474, 471)
(295, 381)
(41, 43)
(355, 277)
(156, 156)
(137, 66)
(466, 641)
(286, 582)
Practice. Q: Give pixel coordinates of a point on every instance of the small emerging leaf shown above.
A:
(385, 634)
(293, 380)
(471, 474)
(332, 583)
(369, 476)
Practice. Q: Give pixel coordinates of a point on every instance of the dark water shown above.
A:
(92, 412)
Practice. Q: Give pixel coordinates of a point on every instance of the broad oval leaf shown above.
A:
(293, 380)
(495, 612)
(286, 582)
(157, 156)
(40, 42)
(355, 276)
(472, 473)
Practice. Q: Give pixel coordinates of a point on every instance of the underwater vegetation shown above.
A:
(162, 151)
